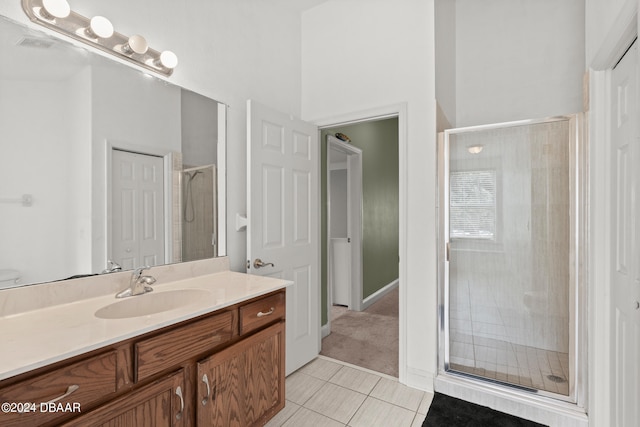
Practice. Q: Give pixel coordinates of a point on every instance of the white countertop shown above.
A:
(36, 338)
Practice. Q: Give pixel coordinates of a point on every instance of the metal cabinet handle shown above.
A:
(205, 399)
(261, 314)
(258, 263)
(179, 393)
(70, 390)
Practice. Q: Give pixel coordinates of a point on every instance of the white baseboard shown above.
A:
(325, 330)
(419, 378)
(368, 301)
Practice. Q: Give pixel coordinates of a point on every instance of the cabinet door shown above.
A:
(219, 389)
(263, 372)
(159, 404)
(244, 384)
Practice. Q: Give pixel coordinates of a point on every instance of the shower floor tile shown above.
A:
(514, 364)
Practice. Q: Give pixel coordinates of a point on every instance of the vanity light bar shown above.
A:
(98, 32)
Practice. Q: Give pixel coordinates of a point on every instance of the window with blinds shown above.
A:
(472, 204)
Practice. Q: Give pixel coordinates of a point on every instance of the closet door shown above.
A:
(625, 243)
(137, 209)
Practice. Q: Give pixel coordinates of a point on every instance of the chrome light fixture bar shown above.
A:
(99, 33)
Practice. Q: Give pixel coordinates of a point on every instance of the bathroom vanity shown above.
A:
(215, 357)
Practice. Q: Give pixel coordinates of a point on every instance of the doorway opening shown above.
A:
(360, 243)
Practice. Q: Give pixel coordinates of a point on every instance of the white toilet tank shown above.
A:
(9, 278)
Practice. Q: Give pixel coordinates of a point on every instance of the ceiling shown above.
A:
(299, 5)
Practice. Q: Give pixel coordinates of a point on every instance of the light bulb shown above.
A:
(475, 149)
(52, 9)
(167, 60)
(136, 44)
(99, 27)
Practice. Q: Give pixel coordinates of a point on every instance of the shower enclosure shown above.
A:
(510, 229)
(199, 209)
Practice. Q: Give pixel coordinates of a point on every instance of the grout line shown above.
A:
(367, 396)
(360, 368)
(292, 414)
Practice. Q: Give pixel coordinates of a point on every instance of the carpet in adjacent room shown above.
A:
(447, 411)
(368, 338)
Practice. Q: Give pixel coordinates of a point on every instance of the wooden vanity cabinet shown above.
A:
(243, 385)
(159, 404)
(158, 379)
(82, 382)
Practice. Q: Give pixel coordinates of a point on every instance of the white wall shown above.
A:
(79, 216)
(29, 166)
(445, 24)
(600, 16)
(229, 51)
(518, 59)
(362, 54)
(199, 129)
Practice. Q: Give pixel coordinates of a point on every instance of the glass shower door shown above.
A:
(508, 230)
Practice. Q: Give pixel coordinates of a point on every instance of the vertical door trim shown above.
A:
(221, 181)
(620, 36)
(354, 178)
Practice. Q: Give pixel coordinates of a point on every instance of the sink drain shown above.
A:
(556, 379)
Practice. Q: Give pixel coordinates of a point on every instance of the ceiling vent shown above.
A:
(35, 42)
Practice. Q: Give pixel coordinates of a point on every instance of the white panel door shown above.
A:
(625, 244)
(283, 230)
(137, 209)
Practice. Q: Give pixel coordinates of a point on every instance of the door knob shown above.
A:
(258, 263)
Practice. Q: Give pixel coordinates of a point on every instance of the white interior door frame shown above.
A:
(389, 111)
(168, 159)
(615, 43)
(354, 220)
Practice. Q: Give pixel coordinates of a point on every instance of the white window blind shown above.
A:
(472, 211)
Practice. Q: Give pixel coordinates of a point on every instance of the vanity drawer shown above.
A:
(261, 312)
(171, 348)
(81, 384)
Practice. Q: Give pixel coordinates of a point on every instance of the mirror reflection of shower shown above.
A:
(189, 210)
(199, 234)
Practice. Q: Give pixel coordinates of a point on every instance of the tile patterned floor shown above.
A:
(327, 392)
(511, 363)
(485, 328)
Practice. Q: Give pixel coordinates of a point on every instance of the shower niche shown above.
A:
(510, 260)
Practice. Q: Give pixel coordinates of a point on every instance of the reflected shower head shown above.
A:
(192, 175)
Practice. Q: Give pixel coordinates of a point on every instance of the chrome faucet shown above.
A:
(138, 284)
(112, 267)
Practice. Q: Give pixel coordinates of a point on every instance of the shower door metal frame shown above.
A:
(578, 170)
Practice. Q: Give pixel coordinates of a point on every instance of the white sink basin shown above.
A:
(151, 303)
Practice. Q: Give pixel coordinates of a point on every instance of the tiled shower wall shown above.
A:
(198, 214)
(519, 282)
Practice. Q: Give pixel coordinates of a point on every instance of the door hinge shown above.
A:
(248, 264)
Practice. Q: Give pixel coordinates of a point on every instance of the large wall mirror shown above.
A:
(101, 164)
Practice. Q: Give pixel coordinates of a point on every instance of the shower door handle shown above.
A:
(448, 250)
